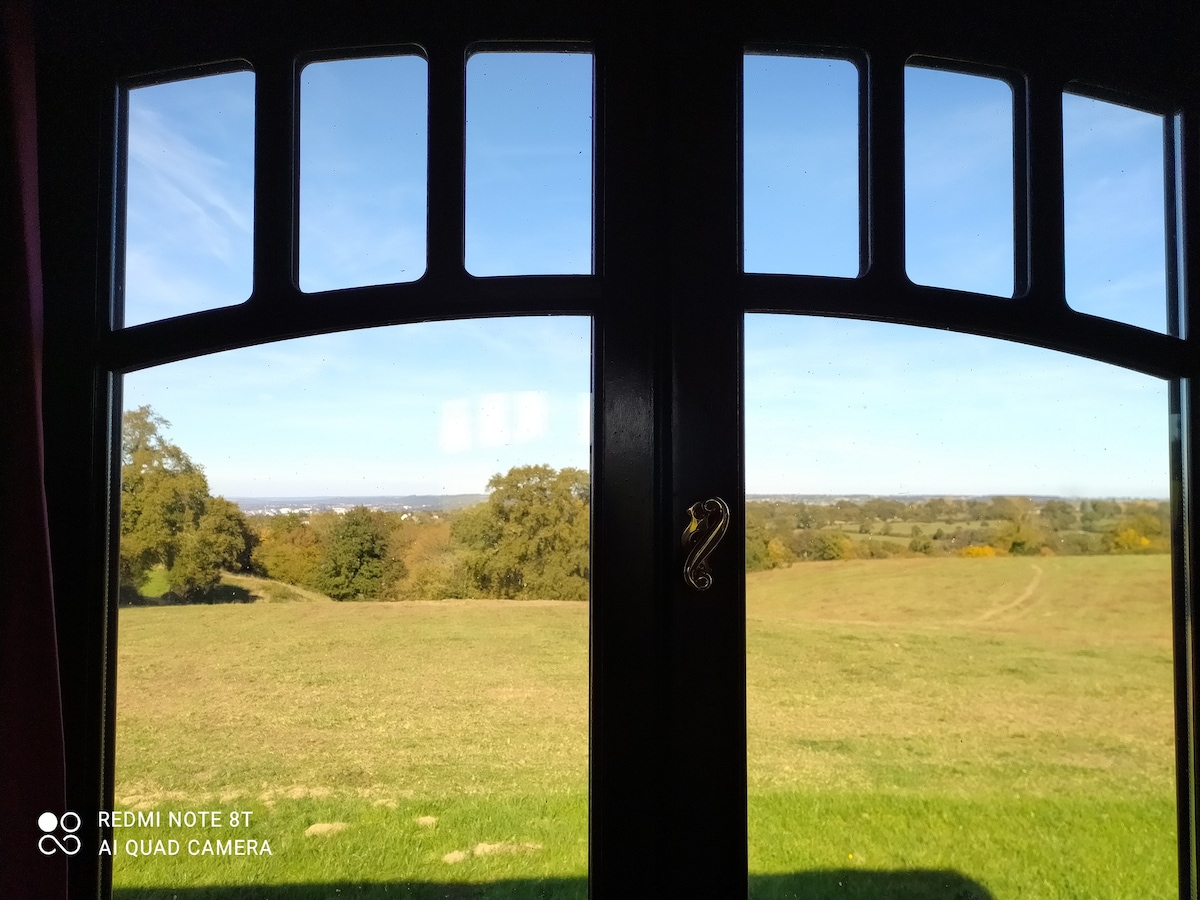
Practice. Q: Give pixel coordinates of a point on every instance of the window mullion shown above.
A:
(447, 153)
(884, 134)
(1044, 177)
(275, 155)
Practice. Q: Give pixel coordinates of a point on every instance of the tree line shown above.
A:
(529, 540)
(779, 533)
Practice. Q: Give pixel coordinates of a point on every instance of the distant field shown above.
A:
(919, 728)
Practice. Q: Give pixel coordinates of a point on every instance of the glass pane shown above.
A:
(800, 166)
(959, 676)
(958, 181)
(529, 164)
(363, 150)
(1114, 212)
(371, 657)
(189, 202)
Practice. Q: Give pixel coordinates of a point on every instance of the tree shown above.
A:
(1009, 509)
(356, 562)
(1144, 528)
(163, 495)
(1058, 515)
(287, 548)
(221, 540)
(168, 517)
(531, 538)
(821, 545)
(1020, 538)
(883, 509)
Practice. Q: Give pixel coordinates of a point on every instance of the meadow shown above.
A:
(937, 728)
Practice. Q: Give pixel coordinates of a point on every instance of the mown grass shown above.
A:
(918, 728)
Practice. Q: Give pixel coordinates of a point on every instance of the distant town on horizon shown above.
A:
(274, 506)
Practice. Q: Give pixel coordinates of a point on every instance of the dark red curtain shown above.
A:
(32, 765)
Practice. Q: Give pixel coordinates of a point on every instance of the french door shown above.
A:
(667, 801)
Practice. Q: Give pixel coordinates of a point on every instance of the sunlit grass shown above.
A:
(1008, 718)
(934, 721)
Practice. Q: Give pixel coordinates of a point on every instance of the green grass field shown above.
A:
(919, 728)
(1009, 719)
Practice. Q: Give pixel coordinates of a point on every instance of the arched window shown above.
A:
(671, 277)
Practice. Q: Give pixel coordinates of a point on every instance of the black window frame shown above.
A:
(667, 274)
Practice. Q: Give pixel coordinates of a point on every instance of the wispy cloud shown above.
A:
(189, 196)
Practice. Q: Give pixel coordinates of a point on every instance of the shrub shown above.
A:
(977, 551)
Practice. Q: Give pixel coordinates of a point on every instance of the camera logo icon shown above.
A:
(49, 843)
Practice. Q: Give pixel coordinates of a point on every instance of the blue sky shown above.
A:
(832, 406)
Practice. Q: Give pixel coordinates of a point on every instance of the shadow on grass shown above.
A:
(222, 593)
(834, 884)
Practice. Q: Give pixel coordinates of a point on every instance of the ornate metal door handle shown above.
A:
(709, 521)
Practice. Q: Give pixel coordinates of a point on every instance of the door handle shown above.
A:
(708, 522)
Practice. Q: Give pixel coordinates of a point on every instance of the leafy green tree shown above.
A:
(221, 540)
(821, 545)
(288, 549)
(883, 509)
(920, 545)
(167, 516)
(163, 495)
(756, 544)
(846, 511)
(531, 538)
(768, 528)
(356, 563)
(1094, 513)
(1010, 509)
(1020, 538)
(1144, 528)
(935, 509)
(431, 557)
(1057, 515)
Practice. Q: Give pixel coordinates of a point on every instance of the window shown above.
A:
(671, 282)
(189, 196)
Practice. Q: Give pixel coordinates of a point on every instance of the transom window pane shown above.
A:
(1113, 199)
(363, 151)
(529, 164)
(189, 196)
(800, 166)
(958, 181)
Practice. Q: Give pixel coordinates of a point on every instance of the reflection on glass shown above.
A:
(959, 676)
(362, 172)
(1113, 206)
(348, 567)
(189, 202)
(529, 164)
(800, 166)
(958, 181)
